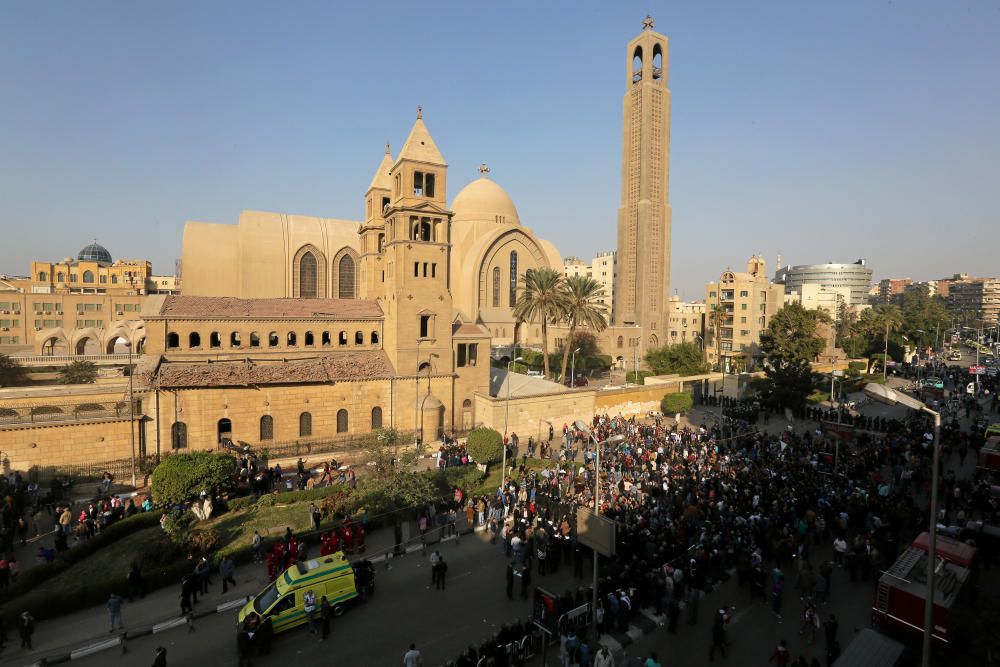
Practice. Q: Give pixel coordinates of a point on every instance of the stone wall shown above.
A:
(531, 415)
(48, 445)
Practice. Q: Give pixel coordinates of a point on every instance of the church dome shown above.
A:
(94, 253)
(484, 201)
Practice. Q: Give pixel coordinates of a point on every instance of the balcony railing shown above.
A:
(66, 359)
(65, 413)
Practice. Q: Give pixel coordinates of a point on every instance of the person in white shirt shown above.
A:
(412, 658)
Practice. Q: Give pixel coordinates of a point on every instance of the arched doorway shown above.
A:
(88, 345)
(225, 429)
(118, 345)
(431, 419)
(467, 414)
(54, 346)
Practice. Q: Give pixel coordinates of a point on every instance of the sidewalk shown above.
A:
(75, 632)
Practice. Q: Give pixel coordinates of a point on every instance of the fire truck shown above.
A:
(989, 456)
(901, 593)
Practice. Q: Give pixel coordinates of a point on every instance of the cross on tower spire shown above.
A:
(647, 23)
(483, 169)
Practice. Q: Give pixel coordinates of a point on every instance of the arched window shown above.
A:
(621, 341)
(637, 65)
(345, 277)
(267, 427)
(376, 418)
(173, 341)
(467, 404)
(342, 338)
(307, 276)
(326, 338)
(194, 339)
(513, 278)
(272, 339)
(254, 339)
(290, 340)
(309, 340)
(103, 278)
(374, 338)
(42, 276)
(234, 339)
(60, 277)
(309, 273)
(359, 338)
(214, 339)
(341, 421)
(179, 435)
(88, 276)
(496, 286)
(305, 425)
(225, 429)
(657, 63)
(114, 279)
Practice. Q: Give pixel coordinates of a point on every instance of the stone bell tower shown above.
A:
(642, 283)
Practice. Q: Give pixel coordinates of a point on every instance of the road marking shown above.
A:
(166, 625)
(233, 604)
(94, 648)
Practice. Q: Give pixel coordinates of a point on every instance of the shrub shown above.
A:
(679, 402)
(856, 368)
(467, 478)
(598, 362)
(485, 445)
(182, 476)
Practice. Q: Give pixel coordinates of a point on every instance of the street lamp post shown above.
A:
(613, 440)
(885, 356)
(506, 419)
(131, 409)
(572, 382)
(884, 394)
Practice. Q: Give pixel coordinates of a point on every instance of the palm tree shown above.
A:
(582, 307)
(716, 315)
(886, 318)
(543, 297)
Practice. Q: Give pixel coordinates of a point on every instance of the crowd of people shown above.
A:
(692, 507)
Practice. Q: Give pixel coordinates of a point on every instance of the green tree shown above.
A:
(581, 306)
(716, 316)
(679, 402)
(12, 374)
(793, 336)
(485, 445)
(923, 317)
(78, 372)
(542, 298)
(181, 477)
(682, 359)
(383, 450)
(790, 343)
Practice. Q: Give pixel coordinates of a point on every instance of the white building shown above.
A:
(601, 269)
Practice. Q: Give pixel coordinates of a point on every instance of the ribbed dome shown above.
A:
(94, 253)
(483, 200)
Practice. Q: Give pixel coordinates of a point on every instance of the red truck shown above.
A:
(902, 589)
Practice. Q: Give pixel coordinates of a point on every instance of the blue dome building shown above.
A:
(94, 253)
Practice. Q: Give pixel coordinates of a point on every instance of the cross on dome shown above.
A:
(647, 23)
(483, 169)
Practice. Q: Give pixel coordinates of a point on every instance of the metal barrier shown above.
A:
(61, 413)
(320, 445)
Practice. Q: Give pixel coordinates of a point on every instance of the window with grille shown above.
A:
(267, 427)
(305, 425)
(345, 273)
(513, 278)
(376, 418)
(496, 287)
(307, 276)
(341, 421)
(178, 435)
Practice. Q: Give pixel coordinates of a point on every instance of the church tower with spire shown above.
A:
(642, 282)
(416, 293)
(377, 200)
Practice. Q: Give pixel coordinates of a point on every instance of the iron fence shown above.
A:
(121, 469)
(276, 449)
(71, 412)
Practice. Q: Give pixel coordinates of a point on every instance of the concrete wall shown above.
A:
(64, 443)
(530, 415)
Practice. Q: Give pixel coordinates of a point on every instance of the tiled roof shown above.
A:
(352, 365)
(225, 306)
(466, 329)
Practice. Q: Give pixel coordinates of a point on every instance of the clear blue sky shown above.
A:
(823, 131)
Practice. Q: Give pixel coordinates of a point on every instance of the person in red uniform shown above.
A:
(347, 537)
(272, 569)
(359, 537)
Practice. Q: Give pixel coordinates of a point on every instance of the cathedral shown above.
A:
(485, 248)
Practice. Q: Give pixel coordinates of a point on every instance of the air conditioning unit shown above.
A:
(48, 312)
(119, 313)
(38, 328)
(4, 328)
(38, 312)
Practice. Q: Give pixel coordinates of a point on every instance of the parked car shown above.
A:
(934, 383)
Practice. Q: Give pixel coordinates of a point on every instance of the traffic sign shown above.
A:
(977, 370)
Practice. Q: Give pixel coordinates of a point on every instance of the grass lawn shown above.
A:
(236, 528)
